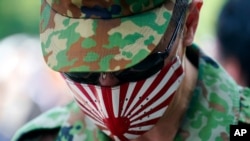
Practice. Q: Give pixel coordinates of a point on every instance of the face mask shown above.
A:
(129, 110)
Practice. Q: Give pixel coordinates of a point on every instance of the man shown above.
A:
(135, 74)
(233, 32)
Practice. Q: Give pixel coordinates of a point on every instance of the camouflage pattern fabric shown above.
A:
(217, 102)
(81, 35)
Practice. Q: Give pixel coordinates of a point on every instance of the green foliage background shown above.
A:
(19, 16)
(22, 16)
(208, 19)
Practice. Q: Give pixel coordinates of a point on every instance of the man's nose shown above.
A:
(108, 79)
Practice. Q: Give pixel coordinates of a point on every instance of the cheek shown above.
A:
(182, 44)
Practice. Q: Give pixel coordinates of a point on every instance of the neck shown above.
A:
(168, 125)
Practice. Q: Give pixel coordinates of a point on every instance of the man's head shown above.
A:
(119, 58)
(233, 32)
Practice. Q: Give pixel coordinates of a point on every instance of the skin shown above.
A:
(167, 126)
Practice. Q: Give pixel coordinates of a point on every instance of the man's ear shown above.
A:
(192, 21)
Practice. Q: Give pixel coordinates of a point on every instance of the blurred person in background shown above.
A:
(27, 86)
(135, 74)
(233, 31)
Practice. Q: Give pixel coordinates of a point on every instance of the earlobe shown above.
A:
(192, 21)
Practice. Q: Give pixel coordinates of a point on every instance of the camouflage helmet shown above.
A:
(101, 35)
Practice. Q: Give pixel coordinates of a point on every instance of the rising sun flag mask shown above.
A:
(129, 110)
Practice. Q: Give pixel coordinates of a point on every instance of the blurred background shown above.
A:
(27, 86)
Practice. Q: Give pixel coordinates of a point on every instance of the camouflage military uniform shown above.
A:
(217, 102)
